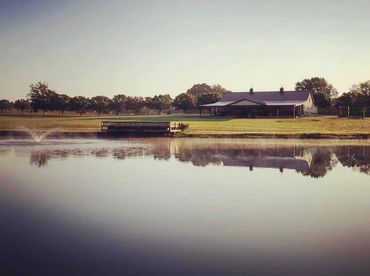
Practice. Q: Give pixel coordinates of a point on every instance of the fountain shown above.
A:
(38, 136)
(31, 137)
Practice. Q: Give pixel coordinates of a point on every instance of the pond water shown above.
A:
(185, 206)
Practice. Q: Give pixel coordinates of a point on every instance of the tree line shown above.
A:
(326, 96)
(42, 99)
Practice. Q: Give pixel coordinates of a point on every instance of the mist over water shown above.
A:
(38, 135)
(185, 206)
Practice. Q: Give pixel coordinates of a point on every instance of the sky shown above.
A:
(144, 48)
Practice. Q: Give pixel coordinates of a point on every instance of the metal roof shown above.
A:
(267, 96)
(287, 103)
(218, 104)
(264, 98)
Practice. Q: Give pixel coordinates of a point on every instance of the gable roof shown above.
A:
(247, 102)
(264, 98)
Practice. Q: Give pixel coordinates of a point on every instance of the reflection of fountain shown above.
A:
(38, 136)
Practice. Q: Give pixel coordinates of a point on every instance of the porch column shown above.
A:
(294, 111)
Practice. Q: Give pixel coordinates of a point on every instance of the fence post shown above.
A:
(348, 111)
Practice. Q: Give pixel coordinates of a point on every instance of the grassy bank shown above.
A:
(204, 125)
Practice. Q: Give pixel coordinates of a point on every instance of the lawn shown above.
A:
(197, 125)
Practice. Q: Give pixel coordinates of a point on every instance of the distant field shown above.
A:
(197, 125)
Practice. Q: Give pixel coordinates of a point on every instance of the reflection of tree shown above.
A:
(322, 162)
(103, 152)
(40, 159)
(199, 157)
(311, 161)
(357, 157)
(160, 153)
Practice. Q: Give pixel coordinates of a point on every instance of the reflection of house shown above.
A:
(264, 161)
(298, 158)
(273, 103)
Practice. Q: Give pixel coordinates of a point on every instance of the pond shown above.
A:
(167, 206)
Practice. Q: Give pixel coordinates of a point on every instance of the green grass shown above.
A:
(204, 125)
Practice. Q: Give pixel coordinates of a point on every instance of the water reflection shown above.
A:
(307, 159)
(354, 157)
(185, 207)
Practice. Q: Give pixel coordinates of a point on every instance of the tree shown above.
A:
(100, 104)
(161, 102)
(361, 93)
(362, 88)
(200, 89)
(346, 99)
(79, 104)
(317, 84)
(184, 102)
(40, 96)
(22, 105)
(322, 91)
(135, 103)
(218, 89)
(148, 103)
(119, 103)
(63, 103)
(208, 99)
(197, 90)
(58, 102)
(4, 105)
(52, 100)
(11, 105)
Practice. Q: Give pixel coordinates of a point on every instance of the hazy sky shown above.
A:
(150, 47)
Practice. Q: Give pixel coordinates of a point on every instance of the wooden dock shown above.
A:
(141, 127)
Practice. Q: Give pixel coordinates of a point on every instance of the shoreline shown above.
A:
(17, 134)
